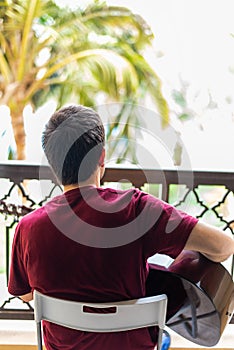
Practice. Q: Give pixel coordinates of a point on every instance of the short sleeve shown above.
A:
(169, 228)
(18, 280)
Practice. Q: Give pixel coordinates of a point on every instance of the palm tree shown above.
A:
(50, 51)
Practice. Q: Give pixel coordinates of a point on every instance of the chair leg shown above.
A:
(39, 336)
(160, 333)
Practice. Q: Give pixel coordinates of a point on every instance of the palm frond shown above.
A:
(30, 15)
(102, 61)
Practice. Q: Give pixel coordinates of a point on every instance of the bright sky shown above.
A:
(195, 38)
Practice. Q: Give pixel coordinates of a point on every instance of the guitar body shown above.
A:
(200, 296)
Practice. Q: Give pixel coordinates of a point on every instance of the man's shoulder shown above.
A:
(40, 212)
(33, 215)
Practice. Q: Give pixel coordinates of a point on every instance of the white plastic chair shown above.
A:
(127, 315)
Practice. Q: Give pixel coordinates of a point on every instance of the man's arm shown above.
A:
(27, 297)
(210, 241)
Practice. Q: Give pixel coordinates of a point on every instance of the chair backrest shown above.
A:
(118, 316)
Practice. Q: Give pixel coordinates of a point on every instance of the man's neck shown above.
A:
(93, 180)
(74, 186)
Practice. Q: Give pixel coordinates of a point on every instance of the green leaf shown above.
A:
(179, 98)
(184, 116)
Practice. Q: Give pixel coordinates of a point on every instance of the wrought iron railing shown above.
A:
(205, 194)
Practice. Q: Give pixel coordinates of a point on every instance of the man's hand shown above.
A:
(27, 297)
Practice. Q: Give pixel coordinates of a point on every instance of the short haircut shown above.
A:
(73, 140)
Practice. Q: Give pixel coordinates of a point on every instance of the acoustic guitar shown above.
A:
(200, 296)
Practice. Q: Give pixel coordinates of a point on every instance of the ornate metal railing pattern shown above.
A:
(205, 194)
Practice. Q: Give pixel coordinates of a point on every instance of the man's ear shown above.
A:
(102, 158)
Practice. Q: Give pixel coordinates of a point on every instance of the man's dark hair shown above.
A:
(73, 140)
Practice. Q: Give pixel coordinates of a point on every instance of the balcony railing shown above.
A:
(207, 195)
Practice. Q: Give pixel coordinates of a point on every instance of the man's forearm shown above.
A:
(216, 258)
(210, 241)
